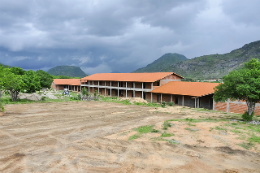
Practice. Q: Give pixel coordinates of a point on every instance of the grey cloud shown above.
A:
(116, 35)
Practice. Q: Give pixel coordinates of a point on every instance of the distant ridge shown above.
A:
(71, 71)
(162, 63)
(212, 66)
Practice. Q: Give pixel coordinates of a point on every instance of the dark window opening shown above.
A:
(158, 98)
(144, 95)
(144, 85)
(176, 100)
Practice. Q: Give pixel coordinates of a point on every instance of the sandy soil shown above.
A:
(93, 137)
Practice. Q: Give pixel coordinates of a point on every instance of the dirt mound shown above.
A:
(136, 99)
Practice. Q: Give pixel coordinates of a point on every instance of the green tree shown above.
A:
(12, 82)
(243, 84)
(45, 78)
(31, 81)
(17, 70)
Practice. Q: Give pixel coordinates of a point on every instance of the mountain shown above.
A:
(216, 65)
(71, 71)
(213, 66)
(164, 62)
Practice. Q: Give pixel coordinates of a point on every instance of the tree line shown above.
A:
(16, 80)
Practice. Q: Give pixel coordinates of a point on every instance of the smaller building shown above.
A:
(192, 94)
(70, 84)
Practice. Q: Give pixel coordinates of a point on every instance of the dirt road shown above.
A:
(75, 137)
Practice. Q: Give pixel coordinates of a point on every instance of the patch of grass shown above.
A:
(220, 128)
(133, 137)
(236, 131)
(172, 141)
(191, 124)
(164, 134)
(165, 125)
(144, 129)
(198, 120)
(141, 130)
(246, 145)
(157, 139)
(153, 105)
(254, 139)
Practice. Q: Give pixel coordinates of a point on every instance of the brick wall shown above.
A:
(169, 78)
(235, 107)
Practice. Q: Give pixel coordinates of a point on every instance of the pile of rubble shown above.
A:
(38, 97)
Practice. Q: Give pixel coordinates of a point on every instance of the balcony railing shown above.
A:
(116, 87)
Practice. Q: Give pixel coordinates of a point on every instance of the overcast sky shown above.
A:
(121, 35)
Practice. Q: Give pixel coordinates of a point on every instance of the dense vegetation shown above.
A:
(213, 66)
(164, 62)
(70, 71)
(16, 80)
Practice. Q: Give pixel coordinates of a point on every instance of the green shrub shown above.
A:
(84, 92)
(75, 97)
(163, 104)
(171, 104)
(95, 93)
(2, 107)
(165, 125)
(43, 98)
(247, 117)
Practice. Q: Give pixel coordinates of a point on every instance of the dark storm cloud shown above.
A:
(120, 35)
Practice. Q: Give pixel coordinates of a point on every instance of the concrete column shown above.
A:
(198, 103)
(126, 90)
(98, 87)
(105, 91)
(161, 98)
(182, 100)
(142, 90)
(171, 98)
(213, 105)
(110, 89)
(227, 105)
(151, 86)
(151, 97)
(74, 88)
(77, 88)
(195, 101)
(118, 89)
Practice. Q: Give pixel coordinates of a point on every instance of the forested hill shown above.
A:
(71, 71)
(214, 66)
(162, 63)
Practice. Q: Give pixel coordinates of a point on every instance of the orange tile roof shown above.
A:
(67, 81)
(195, 89)
(132, 77)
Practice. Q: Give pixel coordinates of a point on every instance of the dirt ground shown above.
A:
(93, 137)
